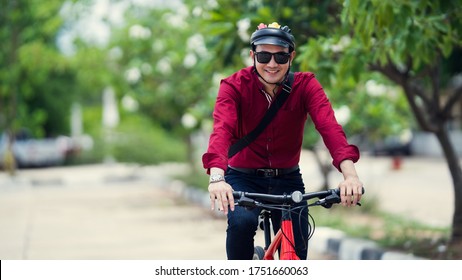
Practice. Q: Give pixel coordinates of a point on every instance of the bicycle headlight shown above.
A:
(297, 196)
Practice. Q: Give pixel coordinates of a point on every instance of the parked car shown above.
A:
(33, 152)
(397, 145)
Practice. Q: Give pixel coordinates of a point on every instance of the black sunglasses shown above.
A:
(279, 57)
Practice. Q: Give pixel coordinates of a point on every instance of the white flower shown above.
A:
(197, 11)
(129, 103)
(342, 44)
(175, 20)
(164, 66)
(246, 57)
(188, 121)
(133, 75)
(196, 43)
(190, 60)
(146, 68)
(243, 26)
(115, 53)
(375, 89)
(158, 46)
(212, 4)
(342, 114)
(139, 32)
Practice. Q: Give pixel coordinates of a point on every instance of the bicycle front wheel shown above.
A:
(258, 253)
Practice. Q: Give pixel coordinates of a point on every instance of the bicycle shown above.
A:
(284, 239)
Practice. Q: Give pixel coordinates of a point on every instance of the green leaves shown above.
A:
(403, 38)
(398, 29)
(32, 71)
(173, 68)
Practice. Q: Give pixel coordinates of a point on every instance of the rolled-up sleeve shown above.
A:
(332, 133)
(225, 121)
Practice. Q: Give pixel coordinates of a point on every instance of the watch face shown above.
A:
(216, 177)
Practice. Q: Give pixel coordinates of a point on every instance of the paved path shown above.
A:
(91, 217)
(105, 212)
(128, 212)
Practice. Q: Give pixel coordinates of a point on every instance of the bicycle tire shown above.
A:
(258, 253)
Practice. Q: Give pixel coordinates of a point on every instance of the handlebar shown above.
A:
(326, 198)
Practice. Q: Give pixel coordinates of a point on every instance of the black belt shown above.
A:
(266, 172)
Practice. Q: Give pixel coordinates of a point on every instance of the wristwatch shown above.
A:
(216, 178)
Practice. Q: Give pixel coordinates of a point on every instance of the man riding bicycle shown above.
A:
(269, 164)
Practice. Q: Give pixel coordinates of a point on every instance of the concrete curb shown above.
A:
(337, 243)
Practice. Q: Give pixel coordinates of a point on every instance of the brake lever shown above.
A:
(333, 198)
(328, 201)
(327, 205)
(321, 202)
(246, 202)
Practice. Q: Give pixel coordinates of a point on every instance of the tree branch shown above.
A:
(411, 90)
(452, 100)
(435, 79)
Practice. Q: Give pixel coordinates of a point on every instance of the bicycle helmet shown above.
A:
(273, 34)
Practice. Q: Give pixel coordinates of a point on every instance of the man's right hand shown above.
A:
(221, 193)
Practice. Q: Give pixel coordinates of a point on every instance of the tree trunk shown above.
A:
(192, 162)
(8, 158)
(434, 119)
(324, 168)
(455, 243)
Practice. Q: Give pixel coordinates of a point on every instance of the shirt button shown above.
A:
(269, 139)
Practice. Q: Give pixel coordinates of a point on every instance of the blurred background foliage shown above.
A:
(164, 60)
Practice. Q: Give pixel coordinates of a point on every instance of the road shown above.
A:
(117, 211)
(105, 212)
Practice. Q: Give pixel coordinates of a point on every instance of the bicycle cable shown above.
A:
(311, 225)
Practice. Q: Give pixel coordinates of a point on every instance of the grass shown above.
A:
(391, 232)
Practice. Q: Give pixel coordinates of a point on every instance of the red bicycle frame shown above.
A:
(283, 240)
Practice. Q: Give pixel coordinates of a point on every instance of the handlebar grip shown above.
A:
(337, 191)
(237, 194)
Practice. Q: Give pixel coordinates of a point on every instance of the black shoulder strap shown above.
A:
(247, 139)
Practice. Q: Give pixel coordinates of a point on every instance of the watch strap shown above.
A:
(214, 178)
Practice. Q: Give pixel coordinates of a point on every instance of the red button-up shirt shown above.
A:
(241, 104)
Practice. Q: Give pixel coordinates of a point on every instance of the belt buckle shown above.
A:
(267, 172)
